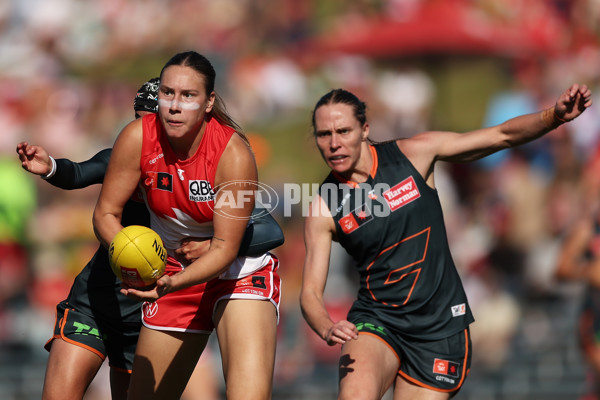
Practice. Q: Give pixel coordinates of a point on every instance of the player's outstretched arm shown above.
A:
(62, 172)
(76, 175)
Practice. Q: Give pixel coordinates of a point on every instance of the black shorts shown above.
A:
(104, 338)
(440, 365)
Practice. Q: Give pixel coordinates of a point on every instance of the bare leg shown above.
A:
(247, 332)
(204, 384)
(367, 368)
(69, 371)
(408, 391)
(163, 363)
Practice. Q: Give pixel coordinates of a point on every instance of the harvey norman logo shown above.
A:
(402, 194)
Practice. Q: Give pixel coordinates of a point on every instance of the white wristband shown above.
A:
(52, 171)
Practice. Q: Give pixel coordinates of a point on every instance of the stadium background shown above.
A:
(68, 73)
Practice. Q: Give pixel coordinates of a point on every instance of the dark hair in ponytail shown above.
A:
(204, 67)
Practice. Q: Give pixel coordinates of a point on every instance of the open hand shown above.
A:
(34, 159)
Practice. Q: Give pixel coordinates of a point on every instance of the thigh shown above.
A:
(205, 382)
(163, 363)
(405, 390)
(367, 368)
(247, 333)
(69, 371)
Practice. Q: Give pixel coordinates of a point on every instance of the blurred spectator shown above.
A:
(17, 205)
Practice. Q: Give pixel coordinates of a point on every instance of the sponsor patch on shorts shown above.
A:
(445, 367)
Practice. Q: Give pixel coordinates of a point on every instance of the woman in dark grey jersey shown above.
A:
(96, 321)
(409, 326)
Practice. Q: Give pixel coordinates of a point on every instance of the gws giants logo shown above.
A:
(150, 309)
(237, 194)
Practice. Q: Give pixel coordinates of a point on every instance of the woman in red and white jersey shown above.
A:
(199, 176)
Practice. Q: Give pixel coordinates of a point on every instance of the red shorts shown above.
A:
(192, 309)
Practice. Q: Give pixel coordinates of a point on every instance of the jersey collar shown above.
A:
(371, 173)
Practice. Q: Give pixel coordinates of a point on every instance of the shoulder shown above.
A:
(129, 141)
(237, 161)
(319, 220)
(132, 130)
(426, 145)
(418, 141)
(238, 150)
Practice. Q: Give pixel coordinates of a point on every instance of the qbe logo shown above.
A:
(235, 195)
(200, 191)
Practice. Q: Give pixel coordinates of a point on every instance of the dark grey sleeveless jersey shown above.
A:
(392, 225)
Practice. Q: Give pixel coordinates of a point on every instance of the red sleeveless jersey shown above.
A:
(179, 193)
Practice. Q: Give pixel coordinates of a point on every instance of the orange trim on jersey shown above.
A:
(375, 161)
(372, 173)
(383, 341)
(63, 337)
(465, 372)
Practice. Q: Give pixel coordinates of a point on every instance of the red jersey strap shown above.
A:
(215, 139)
(156, 145)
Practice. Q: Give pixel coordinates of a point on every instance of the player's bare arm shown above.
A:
(319, 230)
(424, 149)
(121, 179)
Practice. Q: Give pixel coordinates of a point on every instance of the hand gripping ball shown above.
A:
(137, 256)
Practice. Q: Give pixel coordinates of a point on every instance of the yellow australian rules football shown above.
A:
(137, 256)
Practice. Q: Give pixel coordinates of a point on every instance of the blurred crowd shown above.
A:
(69, 71)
